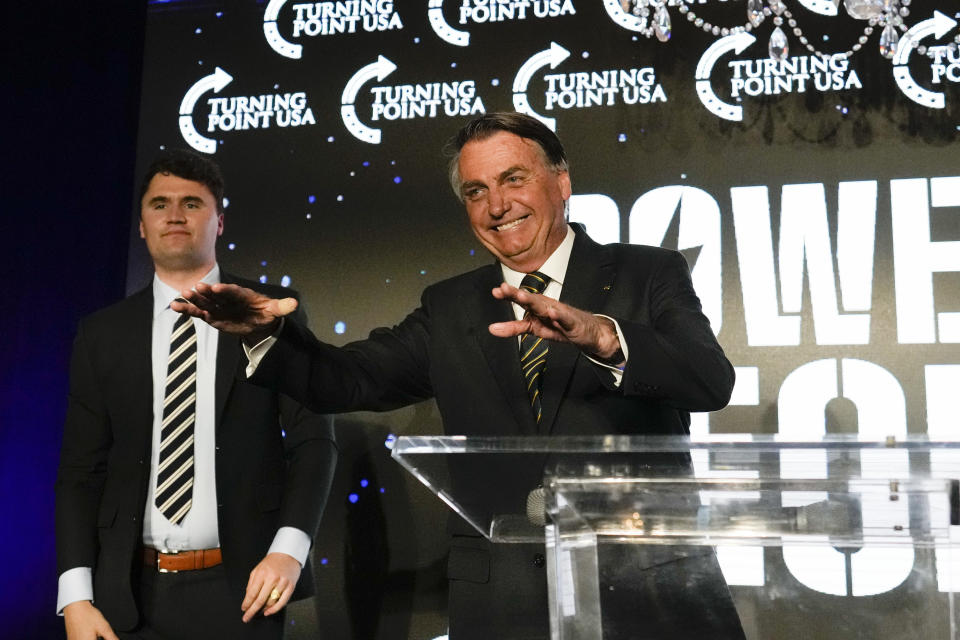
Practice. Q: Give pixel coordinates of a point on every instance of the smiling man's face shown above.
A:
(515, 200)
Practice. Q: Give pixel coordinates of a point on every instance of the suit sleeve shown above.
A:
(87, 439)
(674, 356)
(388, 370)
(311, 457)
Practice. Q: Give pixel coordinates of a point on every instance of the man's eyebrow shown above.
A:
(471, 184)
(158, 200)
(514, 169)
(503, 175)
(192, 199)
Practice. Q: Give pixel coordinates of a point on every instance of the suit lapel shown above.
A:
(228, 357)
(138, 354)
(501, 354)
(590, 273)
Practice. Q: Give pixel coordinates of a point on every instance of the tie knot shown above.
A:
(534, 282)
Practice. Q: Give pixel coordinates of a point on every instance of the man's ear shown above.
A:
(566, 190)
(219, 225)
(142, 235)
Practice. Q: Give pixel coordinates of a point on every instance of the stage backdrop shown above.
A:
(815, 195)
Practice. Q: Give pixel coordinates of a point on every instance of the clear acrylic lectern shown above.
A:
(837, 538)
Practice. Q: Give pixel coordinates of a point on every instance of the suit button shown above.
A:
(140, 461)
(539, 560)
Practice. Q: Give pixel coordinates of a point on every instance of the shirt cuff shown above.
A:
(74, 585)
(615, 370)
(293, 542)
(256, 353)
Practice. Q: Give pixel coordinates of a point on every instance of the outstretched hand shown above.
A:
(553, 320)
(233, 309)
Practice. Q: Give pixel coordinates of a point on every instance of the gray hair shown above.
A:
(519, 124)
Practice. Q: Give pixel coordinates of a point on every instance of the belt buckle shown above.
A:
(165, 552)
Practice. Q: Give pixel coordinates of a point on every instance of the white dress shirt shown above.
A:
(198, 529)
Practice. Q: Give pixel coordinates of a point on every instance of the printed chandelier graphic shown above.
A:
(775, 75)
(653, 18)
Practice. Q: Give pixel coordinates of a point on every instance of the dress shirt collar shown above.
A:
(164, 294)
(555, 267)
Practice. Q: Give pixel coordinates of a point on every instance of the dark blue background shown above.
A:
(71, 88)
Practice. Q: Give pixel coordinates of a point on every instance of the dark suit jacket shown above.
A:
(264, 480)
(444, 350)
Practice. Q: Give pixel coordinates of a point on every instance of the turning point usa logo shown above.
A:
(582, 89)
(312, 19)
(768, 77)
(404, 102)
(239, 113)
(484, 11)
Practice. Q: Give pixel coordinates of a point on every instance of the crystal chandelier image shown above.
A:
(655, 18)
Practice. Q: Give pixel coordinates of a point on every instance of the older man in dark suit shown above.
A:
(183, 494)
(559, 336)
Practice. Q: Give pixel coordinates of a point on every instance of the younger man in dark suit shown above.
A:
(183, 494)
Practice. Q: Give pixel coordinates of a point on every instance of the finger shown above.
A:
(280, 590)
(222, 289)
(258, 603)
(532, 303)
(511, 328)
(190, 309)
(219, 295)
(562, 317)
(254, 586)
(502, 292)
(195, 299)
(280, 604)
(106, 632)
(507, 292)
(283, 307)
(191, 295)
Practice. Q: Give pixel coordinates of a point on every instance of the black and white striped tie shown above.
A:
(533, 350)
(174, 493)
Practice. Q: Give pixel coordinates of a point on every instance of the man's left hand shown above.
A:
(276, 575)
(553, 320)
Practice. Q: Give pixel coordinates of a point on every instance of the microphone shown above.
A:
(537, 507)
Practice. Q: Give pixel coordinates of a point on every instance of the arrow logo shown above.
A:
(442, 28)
(938, 26)
(274, 39)
(736, 43)
(379, 70)
(622, 18)
(552, 56)
(216, 81)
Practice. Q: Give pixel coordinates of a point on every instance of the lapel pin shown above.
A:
(606, 287)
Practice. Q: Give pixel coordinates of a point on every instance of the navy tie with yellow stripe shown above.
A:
(533, 350)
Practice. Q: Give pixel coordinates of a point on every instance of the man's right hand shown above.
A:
(233, 309)
(85, 622)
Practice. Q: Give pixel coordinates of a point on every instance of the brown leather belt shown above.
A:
(173, 561)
